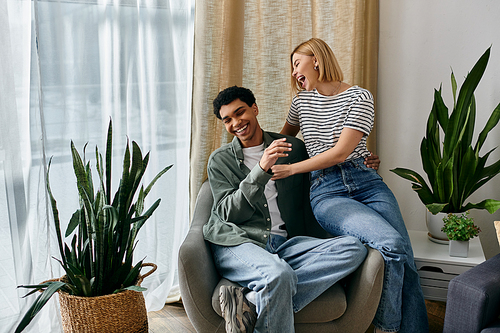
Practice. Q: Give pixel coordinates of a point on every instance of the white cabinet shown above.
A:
(435, 266)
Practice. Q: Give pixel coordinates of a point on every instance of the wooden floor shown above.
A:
(435, 312)
(173, 319)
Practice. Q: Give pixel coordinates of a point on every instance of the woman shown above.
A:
(346, 196)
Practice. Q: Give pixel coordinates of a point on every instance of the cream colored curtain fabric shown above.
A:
(248, 43)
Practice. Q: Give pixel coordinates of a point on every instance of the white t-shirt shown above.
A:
(322, 118)
(252, 156)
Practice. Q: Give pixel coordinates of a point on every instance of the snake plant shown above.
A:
(99, 259)
(453, 164)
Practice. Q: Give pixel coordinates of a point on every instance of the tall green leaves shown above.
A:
(453, 166)
(99, 258)
(49, 289)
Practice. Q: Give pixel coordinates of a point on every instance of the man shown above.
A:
(257, 226)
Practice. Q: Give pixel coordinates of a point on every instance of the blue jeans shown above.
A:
(351, 199)
(288, 274)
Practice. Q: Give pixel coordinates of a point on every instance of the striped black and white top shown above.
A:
(322, 118)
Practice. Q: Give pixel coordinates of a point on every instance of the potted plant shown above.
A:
(453, 164)
(460, 229)
(101, 289)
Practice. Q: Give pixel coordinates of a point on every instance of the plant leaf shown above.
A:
(132, 276)
(419, 184)
(440, 110)
(489, 204)
(73, 223)
(435, 208)
(109, 151)
(460, 114)
(41, 300)
(55, 213)
(454, 89)
(468, 133)
(136, 288)
(148, 188)
(490, 124)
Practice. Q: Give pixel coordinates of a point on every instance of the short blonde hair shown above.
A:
(328, 67)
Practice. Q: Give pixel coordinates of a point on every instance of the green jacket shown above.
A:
(240, 212)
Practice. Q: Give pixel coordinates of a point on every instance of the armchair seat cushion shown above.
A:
(493, 328)
(329, 306)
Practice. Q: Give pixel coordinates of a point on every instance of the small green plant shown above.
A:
(460, 227)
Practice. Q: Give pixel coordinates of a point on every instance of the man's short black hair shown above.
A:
(229, 95)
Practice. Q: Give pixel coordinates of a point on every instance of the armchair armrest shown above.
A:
(197, 273)
(363, 293)
(474, 298)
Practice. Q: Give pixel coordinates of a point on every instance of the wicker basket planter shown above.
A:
(116, 313)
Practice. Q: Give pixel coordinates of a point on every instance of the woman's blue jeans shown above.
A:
(351, 199)
(288, 274)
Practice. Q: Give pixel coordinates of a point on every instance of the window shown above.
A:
(130, 61)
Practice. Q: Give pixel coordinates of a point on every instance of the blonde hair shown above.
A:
(328, 67)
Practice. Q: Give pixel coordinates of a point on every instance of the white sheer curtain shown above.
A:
(66, 68)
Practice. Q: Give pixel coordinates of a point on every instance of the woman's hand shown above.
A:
(281, 171)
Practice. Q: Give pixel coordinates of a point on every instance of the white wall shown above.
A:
(420, 41)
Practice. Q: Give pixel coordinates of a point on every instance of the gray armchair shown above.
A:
(342, 308)
(473, 302)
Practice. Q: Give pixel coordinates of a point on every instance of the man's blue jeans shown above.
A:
(351, 199)
(288, 274)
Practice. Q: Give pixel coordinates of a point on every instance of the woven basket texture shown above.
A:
(116, 313)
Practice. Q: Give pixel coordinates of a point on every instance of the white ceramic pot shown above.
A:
(459, 248)
(434, 225)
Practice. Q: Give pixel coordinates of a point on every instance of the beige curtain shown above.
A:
(248, 43)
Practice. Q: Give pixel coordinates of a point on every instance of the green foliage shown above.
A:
(460, 228)
(453, 166)
(99, 259)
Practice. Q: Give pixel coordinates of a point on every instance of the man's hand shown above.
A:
(275, 150)
(372, 161)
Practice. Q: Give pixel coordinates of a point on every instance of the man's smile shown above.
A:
(241, 129)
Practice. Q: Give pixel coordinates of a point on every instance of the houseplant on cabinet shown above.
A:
(99, 259)
(454, 168)
(460, 229)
